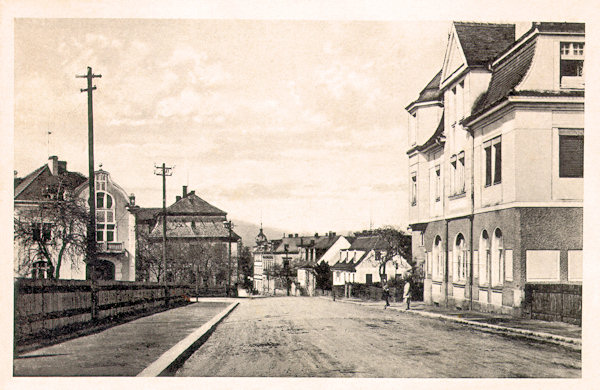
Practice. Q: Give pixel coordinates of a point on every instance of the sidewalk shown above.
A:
(123, 350)
(555, 332)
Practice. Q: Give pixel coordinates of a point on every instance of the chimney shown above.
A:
(53, 165)
(184, 191)
(316, 234)
(177, 198)
(62, 167)
(192, 192)
(132, 200)
(332, 234)
(290, 235)
(296, 235)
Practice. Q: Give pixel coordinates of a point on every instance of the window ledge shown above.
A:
(460, 283)
(458, 196)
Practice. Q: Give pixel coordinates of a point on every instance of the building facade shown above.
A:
(53, 201)
(496, 165)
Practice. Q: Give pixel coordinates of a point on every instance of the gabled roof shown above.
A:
(33, 186)
(367, 243)
(482, 42)
(192, 204)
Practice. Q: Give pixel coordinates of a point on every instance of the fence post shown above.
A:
(94, 300)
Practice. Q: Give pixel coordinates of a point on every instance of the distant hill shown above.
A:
(248, 231)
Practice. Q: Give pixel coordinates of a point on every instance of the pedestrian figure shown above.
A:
(386, 295)
(407, 292)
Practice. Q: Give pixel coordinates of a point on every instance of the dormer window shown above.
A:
(571, 64)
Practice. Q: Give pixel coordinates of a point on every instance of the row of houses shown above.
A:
(496, 165)
(50, 206)
(352, 259)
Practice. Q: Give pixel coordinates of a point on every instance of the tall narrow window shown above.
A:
(493, 161)
(438, 182)
(497, 258)
(438, 258)
(570, 153)
(571, 64)
(105, 218)
(497, 161)
(461, 172)
(484, 258)
(413, 189)
(460, 259)
(453, 176)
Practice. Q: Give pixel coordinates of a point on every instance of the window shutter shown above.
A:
(570, 156)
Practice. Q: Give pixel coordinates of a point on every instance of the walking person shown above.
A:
(407, 291)
(386, 295)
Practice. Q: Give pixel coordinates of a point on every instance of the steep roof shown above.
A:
(33, 186)
(192, 204)
(508, 72)
(482, 42)
(431, 92)
(343, 266)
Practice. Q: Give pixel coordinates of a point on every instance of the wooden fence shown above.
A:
(553, 302)
(44, 307)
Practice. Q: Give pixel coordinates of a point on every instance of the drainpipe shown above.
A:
(471, 217)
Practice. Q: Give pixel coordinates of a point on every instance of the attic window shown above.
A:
(571, 64)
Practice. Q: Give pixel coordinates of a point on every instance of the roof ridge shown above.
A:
(484, 24)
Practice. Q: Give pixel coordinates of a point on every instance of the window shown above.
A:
(453, 177)
(413, 189)
(571, 64)
(460, 259)
(453, 105)
(493, 161)
(101, 179)
(460, 101)
(41, 270)
(438, 258)
(438, 182)
(41, 231)
(570, 153)
(497, 258)
(461, 173)
(484, 257)
(105, 218)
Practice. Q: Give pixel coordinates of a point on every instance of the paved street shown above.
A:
(312, 337)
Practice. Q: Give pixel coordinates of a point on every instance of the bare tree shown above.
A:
(51, 232)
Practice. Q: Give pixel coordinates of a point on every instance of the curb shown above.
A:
(573, 343)
(171, 360)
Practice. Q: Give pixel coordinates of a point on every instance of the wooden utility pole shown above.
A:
(91, 229)
(164, 171)
(229, 226)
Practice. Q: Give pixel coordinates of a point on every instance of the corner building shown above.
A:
(496, 165)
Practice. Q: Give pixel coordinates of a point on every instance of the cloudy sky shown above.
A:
(301, 122)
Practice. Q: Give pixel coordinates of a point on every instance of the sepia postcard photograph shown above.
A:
(298, 195)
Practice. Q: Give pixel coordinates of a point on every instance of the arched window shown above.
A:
(460, 259)
(484, 258)
(497, 254)
(437, 258)
(105, 217)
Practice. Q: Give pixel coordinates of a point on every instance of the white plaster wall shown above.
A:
(333, 253)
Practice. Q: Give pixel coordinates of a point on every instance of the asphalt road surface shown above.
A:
(315, 337)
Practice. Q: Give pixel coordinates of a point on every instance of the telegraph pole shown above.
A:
(91, 229)
(164, 171)
(229, 226)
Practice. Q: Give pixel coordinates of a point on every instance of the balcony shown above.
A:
(110, 247)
